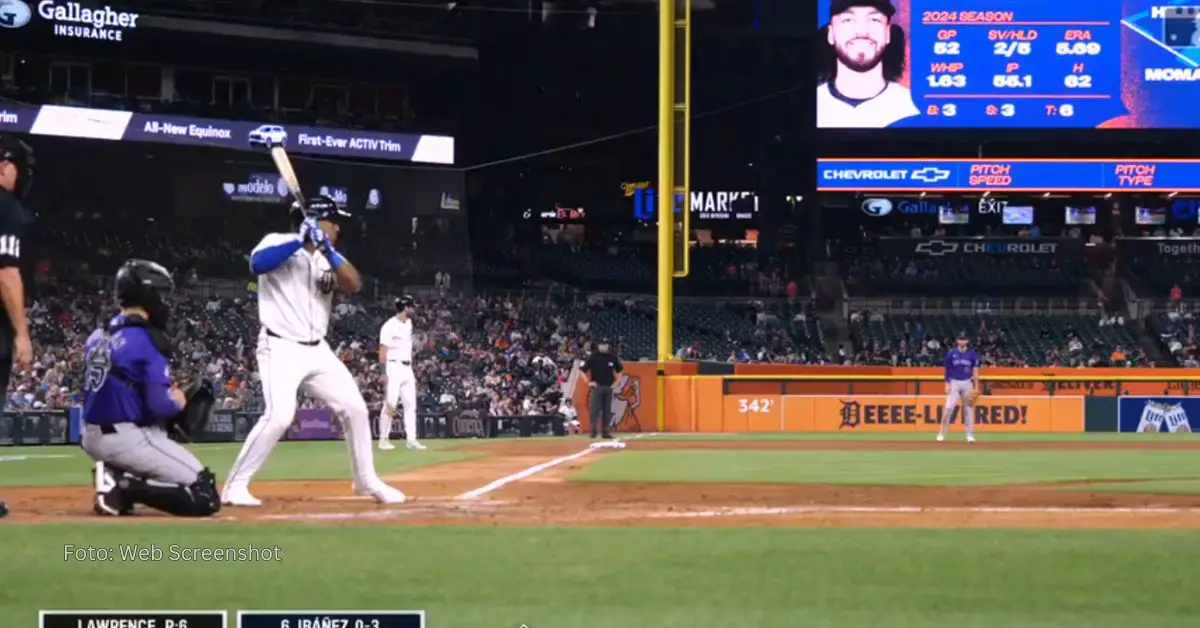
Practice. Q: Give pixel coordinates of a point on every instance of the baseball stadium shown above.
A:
(598, 313)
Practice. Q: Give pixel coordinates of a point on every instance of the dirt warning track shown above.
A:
(525, 482)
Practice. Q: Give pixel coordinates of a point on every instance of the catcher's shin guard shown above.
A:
(199, 499)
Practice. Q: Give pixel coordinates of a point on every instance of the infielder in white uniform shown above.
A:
(395, 354)
(297, 276)
(859, 85)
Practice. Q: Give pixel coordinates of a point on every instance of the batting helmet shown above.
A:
(141, 283)
(20, 154)
(320, 207)
(405, 302)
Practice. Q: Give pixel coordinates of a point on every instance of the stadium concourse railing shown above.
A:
(785, 398)
(1029, 306)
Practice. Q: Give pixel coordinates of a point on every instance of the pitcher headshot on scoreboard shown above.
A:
(860, 69)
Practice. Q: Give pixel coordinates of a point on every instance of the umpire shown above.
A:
(601, 369)
(16, 177)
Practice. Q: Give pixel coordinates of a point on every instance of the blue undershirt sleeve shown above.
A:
(269, 258)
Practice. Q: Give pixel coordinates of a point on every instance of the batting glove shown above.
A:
(319, 239)
(307, 228)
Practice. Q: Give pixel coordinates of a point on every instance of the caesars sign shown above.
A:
(71, 19)
(902, 413)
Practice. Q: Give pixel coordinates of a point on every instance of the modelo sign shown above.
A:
(705, 205)
(71, 19)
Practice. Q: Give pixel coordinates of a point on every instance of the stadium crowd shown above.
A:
(506, 352)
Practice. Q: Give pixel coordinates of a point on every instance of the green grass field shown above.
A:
(608, 577)
(907, 468)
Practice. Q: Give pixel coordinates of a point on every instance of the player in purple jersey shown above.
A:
(962, 380)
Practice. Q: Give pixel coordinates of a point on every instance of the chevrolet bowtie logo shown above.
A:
(937, 248)
(930, 175)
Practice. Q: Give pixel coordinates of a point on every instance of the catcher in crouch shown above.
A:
(134, 417)
(962, 386)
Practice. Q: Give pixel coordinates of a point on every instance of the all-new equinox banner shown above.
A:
(104, 124)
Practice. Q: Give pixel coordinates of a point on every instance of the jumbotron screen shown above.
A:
(1131, 64)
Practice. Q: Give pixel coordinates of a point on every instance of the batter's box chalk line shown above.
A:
(389, 513)
(413, 500)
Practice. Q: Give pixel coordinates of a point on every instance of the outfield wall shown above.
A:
(786, 398)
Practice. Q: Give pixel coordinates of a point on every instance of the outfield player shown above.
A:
(395, 354)
(962, 382)
(859, 84)
(297, 276)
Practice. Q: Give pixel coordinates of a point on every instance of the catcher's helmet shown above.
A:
(20, 154)
(141, 283)
(404, 302)
(320, 207)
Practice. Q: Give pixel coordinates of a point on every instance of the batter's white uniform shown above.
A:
(397, 336)
(294, 303)
(895, 103)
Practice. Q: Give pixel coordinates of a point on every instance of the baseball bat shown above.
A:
(284, 165)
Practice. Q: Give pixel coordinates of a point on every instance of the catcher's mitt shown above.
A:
(974, 397)
(190, 422)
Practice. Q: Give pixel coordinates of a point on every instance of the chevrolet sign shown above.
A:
(941, 248)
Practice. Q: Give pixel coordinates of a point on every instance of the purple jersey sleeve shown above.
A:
(949, 363)
(156, 374)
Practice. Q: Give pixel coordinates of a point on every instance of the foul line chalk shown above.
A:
(901, 510)
(521, 475)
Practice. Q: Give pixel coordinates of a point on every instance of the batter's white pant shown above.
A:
(401, 392)
(284, 367)
(960, 393)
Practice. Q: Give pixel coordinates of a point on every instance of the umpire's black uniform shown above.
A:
(16, 157)
(602, 368)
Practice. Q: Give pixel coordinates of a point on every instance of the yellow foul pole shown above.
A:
(674, 54)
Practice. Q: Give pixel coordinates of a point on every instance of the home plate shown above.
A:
(608, 444)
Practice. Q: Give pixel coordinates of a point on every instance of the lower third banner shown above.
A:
(1157, 414)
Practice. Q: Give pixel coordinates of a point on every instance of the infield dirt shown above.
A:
(547, 497)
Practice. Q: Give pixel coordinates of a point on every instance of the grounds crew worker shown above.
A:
(16, 177)
(601, 369)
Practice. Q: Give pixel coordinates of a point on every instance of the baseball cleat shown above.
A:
(412, 444)
(239, 496)
(941, 437)
(385, 494)
(110, 500)
(970, 439)
(386, 446)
